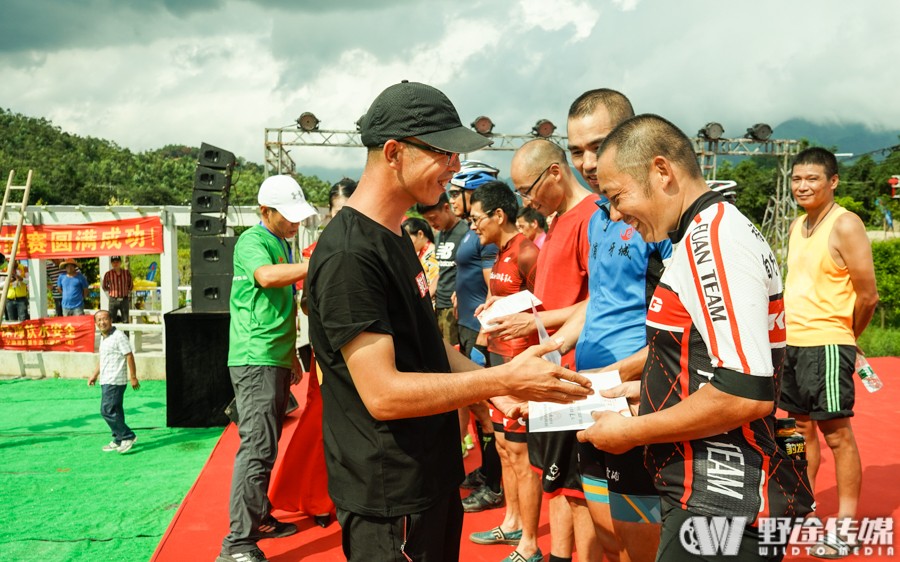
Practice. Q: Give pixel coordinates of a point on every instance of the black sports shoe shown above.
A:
(474, 480)
(255, 555)
(481, 499)
(272, 528)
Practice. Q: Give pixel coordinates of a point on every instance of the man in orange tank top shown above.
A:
(829, 298)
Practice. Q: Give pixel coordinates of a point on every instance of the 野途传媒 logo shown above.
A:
(711, 536)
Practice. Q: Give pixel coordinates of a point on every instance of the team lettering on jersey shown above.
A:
(701, 253)
(725, 469)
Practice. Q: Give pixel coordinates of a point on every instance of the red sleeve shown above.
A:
(528, 264)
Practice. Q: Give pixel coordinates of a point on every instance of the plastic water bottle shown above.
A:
(867, 374)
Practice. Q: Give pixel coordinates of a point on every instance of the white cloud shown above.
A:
(626, 5)
(554, 16)
(224, 74)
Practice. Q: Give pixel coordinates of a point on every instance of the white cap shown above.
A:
(283, 194)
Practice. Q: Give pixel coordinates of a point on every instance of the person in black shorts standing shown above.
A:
(829, 296)
(389, 420)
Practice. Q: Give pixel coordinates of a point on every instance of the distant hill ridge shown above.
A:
(854, 138)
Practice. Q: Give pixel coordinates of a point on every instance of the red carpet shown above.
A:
(201, 522)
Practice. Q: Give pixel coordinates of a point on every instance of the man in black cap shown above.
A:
(389, 421)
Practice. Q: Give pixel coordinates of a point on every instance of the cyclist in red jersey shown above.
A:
(493, 212)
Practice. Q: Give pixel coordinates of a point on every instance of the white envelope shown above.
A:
(519, 302)
(548, 416)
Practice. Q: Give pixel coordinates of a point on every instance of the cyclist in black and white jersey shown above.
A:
(716, 338)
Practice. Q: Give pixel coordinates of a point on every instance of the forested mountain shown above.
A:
(74, 170)
(847, 138)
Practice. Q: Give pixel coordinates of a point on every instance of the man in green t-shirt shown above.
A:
(262, 360)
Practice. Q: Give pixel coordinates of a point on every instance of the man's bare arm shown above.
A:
(392, 394)
(849, 240)
(705, 413)
(281, 274)
(522, 324)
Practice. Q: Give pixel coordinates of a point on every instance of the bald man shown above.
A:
(542, 176)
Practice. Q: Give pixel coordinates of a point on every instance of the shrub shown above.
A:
(880, 342)
(886, 256)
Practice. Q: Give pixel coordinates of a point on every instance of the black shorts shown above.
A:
(556, 455)
(632, 495)
(430, 536)
(684, 538)
(818, 381)
(467, 338)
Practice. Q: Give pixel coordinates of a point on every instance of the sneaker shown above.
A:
(516, 557)
(496, 536)
(255, 555)
(474, 479)
(481, 499)
(468, 441)
(272, 528)
(126, 445)
(465, 452)
(111, 446)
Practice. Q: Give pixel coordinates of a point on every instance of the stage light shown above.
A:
(760, 132)
(308, 122)
(712, 131)
(543, 128)
(483, 125)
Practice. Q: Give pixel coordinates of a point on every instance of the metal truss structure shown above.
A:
(278, 161)
(780, 210)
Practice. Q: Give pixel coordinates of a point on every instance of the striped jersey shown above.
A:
(118, 283)
(717, 317)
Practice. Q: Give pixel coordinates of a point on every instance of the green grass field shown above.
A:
(65, 499)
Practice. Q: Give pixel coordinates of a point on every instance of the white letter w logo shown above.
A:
(710, 536)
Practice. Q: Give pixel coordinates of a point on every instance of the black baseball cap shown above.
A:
(412, 109)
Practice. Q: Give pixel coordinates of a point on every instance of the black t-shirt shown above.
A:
(364, 278)
(447, 244)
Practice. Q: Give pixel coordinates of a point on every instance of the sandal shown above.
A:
(831, 546)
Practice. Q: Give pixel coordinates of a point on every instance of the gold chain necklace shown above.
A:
(809, 231)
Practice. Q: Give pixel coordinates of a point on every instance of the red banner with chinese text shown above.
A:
(107, 238)
(66, 333)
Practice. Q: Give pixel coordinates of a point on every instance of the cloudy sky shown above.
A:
(153, 72)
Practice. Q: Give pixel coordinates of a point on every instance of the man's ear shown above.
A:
(392, 152)
(661, 172)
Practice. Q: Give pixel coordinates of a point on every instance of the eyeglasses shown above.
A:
(476, 222)
(430, 148)
(454, 193)
(527, 193)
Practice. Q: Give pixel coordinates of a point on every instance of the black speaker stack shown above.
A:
(198, 387)
(212, 248)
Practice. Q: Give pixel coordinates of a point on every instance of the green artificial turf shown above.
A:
(65, 499)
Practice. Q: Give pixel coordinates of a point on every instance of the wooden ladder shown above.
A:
(14, 198)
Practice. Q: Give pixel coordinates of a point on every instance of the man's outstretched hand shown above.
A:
(529, 377)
